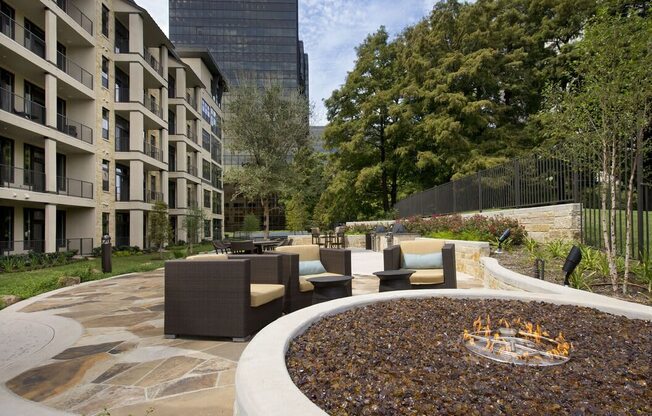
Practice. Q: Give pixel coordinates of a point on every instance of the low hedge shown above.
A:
(35, 261)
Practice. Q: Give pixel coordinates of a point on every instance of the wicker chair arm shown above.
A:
(450, 271)
(392, 257)
(336, 260)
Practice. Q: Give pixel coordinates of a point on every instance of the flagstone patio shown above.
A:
(120, 360)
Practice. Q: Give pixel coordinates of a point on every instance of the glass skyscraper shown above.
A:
(253, 40)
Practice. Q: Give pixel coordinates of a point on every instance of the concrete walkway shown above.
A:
(100, 346)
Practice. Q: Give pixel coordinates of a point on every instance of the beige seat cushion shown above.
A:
(427, 277)
(263, 293)
(305, 252)
(421, 246)
(209, 256)
(306, 286)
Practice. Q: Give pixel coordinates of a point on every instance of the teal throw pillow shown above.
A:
(311, 267)
(423, 261)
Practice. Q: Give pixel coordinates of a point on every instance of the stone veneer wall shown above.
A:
(543, 224)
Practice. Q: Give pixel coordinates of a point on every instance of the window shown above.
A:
(6, 160)
(105, 21)
(105, 123)
(105, 72)
(206, 140)
(105, 175)
(60, 230)
(6, 229)
(105, 223)
(207, 199)
(121, 183)
(206, 170)
(207, 228)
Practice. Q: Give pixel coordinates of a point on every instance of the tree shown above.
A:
(363, 123)
(159, 230)
(193, 223)
(603, 117)
(268, 125)
(250, 223)
(304, 187)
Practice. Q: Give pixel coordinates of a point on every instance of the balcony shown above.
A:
(77, 15)
(31, 180)
(152, 106)
(74, 187)
(153, 62)
(153, 151)
(15, 104)
(192, 135)
(28, 39)
(153, 196)
(74, 70)
(74, 129)
(192, 170)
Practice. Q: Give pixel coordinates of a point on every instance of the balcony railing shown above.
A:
(121, 140)
(29, 39)
(71, 68)
(190, 99)
(77, 15)
(192, 203)
(192, 135)
(153, 62)
(15, 104)
(121, 94)
(153, 196)
(153, 151)
(122, 193)
(192, 170)
(19, 178)
(74, 129)
(74, 187)
(152, 105)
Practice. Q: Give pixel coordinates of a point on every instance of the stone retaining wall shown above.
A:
(542, 224)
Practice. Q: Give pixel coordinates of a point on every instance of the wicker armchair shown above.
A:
(445, 278)
(299, 291)
(233, 298)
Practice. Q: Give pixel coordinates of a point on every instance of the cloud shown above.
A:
(330, 30)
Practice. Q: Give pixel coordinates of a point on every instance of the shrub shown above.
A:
(179, 254)
(455, 227)
(251, 223)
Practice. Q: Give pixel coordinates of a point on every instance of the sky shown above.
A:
(330, 30)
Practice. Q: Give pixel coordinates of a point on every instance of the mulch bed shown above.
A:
(519, 261)
(405, 357)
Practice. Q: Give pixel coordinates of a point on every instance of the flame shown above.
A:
(534, 332)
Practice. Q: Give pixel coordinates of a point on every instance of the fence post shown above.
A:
(517, 184)
(479, 191)
(576, 184)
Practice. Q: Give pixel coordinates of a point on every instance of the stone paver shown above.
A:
(120, 360)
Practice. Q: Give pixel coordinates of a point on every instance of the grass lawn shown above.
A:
(593, 228)
(31, 283)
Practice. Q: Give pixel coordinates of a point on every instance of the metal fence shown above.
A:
(539, 181)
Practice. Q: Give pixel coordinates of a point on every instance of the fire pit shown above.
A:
(401, 353)
(518, 342)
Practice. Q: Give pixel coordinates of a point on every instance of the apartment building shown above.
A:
(100, 117)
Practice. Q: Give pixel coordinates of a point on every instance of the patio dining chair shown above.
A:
(243, 247)
(220, 247)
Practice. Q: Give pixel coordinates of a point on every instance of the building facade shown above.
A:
(253, 41)
(100, 117)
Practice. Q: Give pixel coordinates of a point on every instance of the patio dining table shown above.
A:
(265, 245)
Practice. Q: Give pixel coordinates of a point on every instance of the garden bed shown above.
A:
(520, 260)
(406, 357)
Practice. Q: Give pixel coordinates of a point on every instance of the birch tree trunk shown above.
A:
(613, 271)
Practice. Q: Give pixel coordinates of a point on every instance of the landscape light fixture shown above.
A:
(574, 258)
(502, 239)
